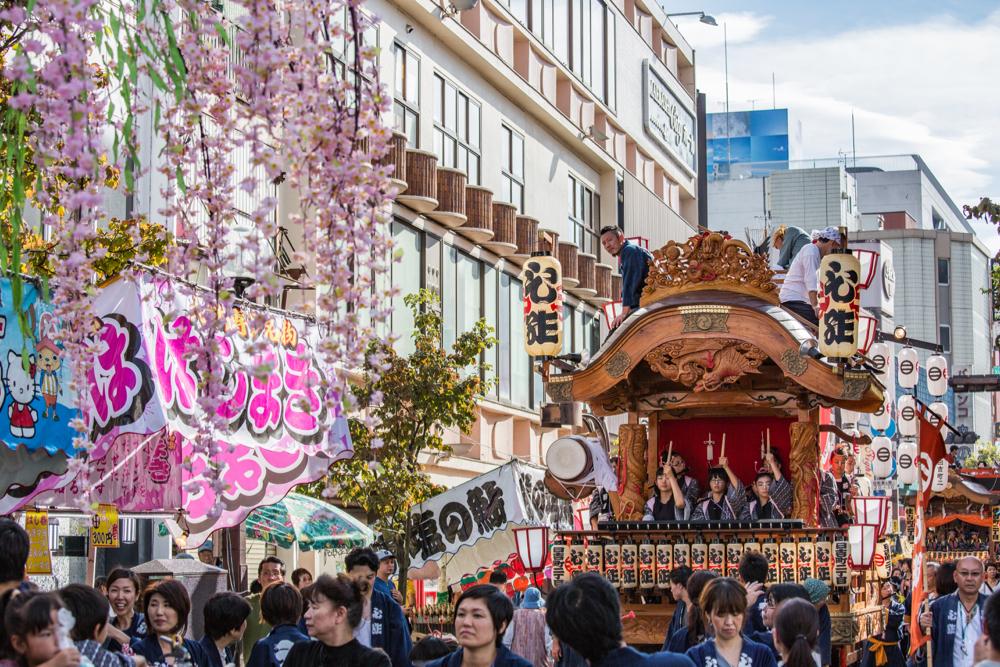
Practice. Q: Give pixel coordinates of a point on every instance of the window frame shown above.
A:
(945, 263)
(507, 174)
(945, 349)
(409, 107)
(441, 128)
(584, 229)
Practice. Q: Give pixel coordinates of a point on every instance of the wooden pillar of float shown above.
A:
(504, 225)
(804, 465)
(632, 448)
(450, 211)
(616, 287)
(526, 236)
(396, 157)
(586, 273)
(479, 210)
(421, 181)
(602, 283)
(568, 253)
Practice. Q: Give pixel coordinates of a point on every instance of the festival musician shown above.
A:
(668, 502)
(690, 488)
(773, 493)
(726, 497)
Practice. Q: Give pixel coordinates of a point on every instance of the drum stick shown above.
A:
(768, 441)
(670, 451)
(723, 454)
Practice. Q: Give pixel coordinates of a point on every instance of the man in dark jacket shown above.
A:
(633, 264)
(956, 620)
(383, 624)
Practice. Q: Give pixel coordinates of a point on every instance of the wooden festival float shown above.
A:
(963, 519)
(711, 357)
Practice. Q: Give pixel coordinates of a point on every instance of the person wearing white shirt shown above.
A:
(799, 289)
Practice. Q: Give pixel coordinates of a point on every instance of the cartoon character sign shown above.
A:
(21, 385)
(48, 365)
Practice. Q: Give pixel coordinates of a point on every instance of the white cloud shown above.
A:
(927, 87)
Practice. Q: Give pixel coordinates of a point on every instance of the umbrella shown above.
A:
(308, 522)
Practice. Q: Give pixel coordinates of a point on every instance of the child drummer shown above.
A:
(688, 485)
(726, 498)
(773, 493)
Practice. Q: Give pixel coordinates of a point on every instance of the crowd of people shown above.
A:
(355, 618)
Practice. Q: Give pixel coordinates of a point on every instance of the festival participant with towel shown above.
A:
(726, 497)
(773, 493)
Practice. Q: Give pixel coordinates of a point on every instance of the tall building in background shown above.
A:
(746, 144)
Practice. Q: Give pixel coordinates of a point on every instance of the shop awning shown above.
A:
(470, 526)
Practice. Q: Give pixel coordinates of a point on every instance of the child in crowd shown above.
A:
(31, 622)
(91, 612)
(281, 606)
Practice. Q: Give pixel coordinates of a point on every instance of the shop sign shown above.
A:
(667, 120)
(104, 528)
(36, 523)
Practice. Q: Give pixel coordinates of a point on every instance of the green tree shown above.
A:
(985, 452)
(422, 394)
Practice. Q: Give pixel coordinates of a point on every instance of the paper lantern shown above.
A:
(863, 540)
(839, 295)
(848, 418)
(532, 546)
(909, 367)
(867, 332)
(881, 457)
(868, 259)
(871, 510)
(521, 583)
(543, 306)
(882, 417)
(881, 356)
(906, 462)
(937, 375)
(907, 414)
(935, 410)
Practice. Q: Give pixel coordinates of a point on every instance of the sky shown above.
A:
(919, 77)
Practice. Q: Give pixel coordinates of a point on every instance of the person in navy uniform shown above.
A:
(281, 607)
(724, 603)
(956, 620)
(225, 622)
(726, 496)
(633, 264)
(383, 624)
(167, 606)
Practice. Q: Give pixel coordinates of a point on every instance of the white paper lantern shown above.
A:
(881, 457)
(848, 418)
(937, 375)
(863, 542)
(909, 367)
(881, 356)
(941, 410)
(906, 462)
(907, 416)
(881, 418)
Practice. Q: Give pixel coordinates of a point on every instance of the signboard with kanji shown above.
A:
(104, 529)
(39, 558)
(543, 306)
(839, 305)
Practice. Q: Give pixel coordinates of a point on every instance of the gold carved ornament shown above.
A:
(709, 260)
(632, 444)
(706, 364)
(804, 462)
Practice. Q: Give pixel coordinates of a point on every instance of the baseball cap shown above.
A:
(382, 554)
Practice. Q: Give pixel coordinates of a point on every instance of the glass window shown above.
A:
(520, 364)
(512, 172)
(944, 270)
(405, 272)
(406, 102)
(584, 216)
(456, 129)
(490, 313)
(503, 333)
(448, 297)
(944, 334)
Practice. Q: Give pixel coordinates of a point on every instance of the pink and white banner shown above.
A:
(144, 413)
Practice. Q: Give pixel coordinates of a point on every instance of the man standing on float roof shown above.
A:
(633, 264)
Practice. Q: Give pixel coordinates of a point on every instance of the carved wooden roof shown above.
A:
(709, 349)
(708, 261)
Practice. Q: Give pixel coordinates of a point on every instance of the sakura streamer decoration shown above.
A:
(907, 416)
(906, 462)
(142, 414)
(937, 375)
(881, 456)
(909, 367)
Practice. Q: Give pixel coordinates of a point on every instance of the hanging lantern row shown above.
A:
(881, 457)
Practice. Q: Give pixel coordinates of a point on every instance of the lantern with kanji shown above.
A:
(839, 296)
(881, 418)
(906, 462)
(543, 306)
(937, 375)
(907, 416)
(909, 367)
(881, 456)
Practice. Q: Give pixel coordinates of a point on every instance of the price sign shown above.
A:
(104, 529)
(39, 558)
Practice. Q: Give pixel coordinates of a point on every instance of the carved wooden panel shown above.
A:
(632, 444)
(706, 364)
(805, 471)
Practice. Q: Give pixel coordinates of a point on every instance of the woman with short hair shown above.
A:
(167, 605)
(481, 616)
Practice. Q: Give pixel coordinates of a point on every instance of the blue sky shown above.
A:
(919, 77)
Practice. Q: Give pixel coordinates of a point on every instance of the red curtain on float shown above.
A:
(743, 440)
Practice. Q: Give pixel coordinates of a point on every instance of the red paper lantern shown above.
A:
(869, 266)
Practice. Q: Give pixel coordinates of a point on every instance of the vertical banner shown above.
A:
(39, 558)
(543, 299)
(558, 563)
(839, 305)
(996, 526)
(841, 572)
(911, 523)
(104, 528)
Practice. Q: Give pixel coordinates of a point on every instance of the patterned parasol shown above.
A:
(311, 523)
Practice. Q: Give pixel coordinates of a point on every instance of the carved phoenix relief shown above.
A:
(706, 365)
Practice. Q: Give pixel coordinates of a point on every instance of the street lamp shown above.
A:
(704, 18)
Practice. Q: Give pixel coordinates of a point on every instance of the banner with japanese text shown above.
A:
(143, 413)
(513, 494)
(36, 523)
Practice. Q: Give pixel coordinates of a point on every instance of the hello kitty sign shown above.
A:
(142, 410)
